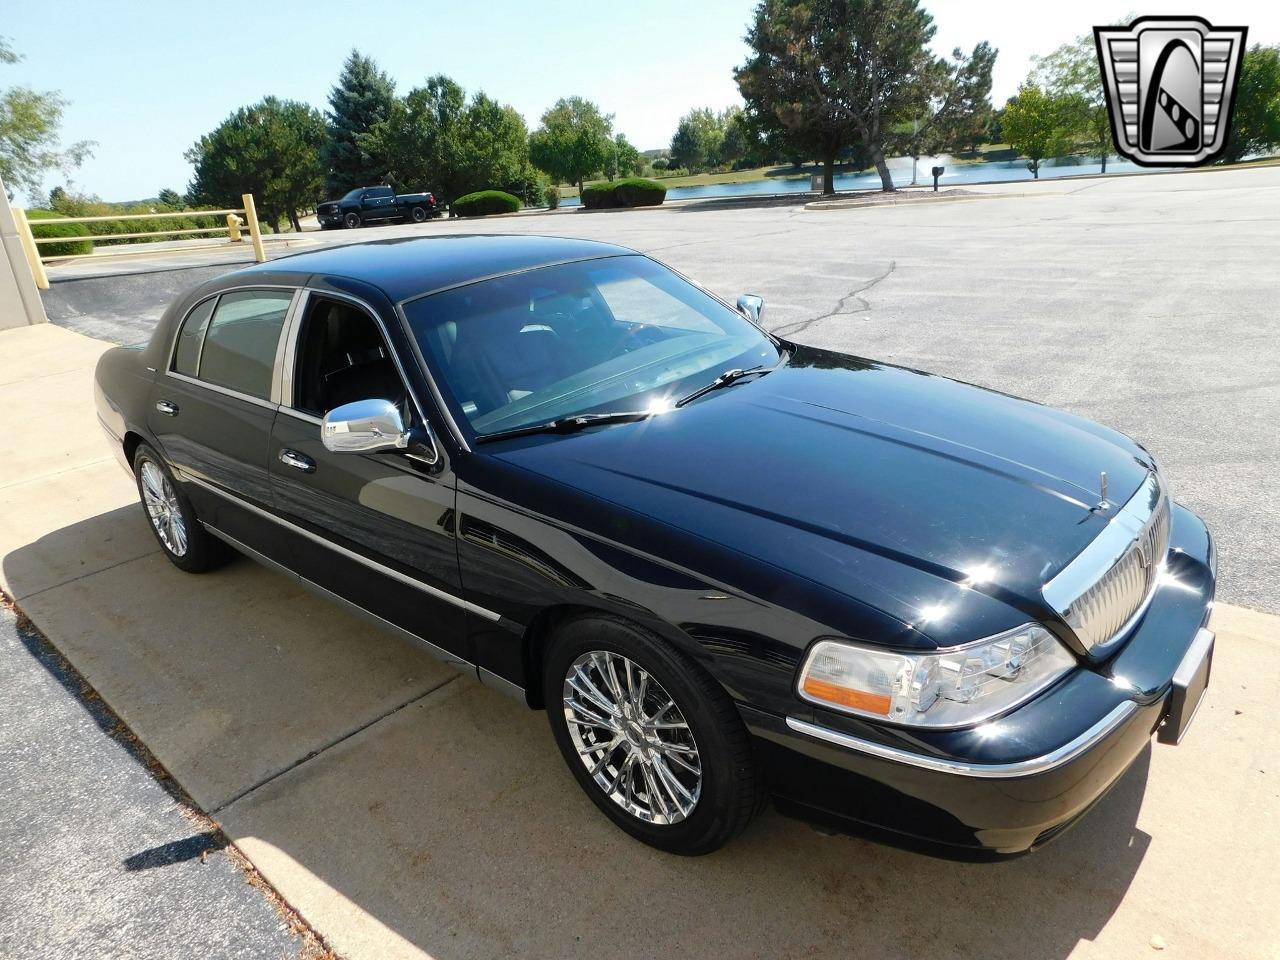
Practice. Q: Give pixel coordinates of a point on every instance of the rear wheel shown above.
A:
(418, 214)
(652, 739)
(173, 521)
(352, 220)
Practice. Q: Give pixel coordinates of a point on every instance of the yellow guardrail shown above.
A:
(246, 217)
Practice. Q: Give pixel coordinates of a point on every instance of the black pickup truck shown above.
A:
(370, 204)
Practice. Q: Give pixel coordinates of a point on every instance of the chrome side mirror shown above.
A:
(749, 305)
(366, 426)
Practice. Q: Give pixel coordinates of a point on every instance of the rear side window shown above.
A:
(375, 192)
(240, 345)
(187, 357)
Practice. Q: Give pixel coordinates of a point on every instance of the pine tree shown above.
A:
(363, 98)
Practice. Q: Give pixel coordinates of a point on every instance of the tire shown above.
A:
(172, 520)
(352, 220)
(418, 215)
(704, 746)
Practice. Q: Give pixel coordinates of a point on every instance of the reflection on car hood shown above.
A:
(882, 483)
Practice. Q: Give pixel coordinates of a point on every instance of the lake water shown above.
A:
(957, 174)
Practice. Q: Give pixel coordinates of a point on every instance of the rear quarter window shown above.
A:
(186, 357)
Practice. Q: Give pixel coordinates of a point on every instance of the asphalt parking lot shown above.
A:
(404, 811)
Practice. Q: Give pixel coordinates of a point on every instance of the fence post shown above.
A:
(255, 234)
(30, 249)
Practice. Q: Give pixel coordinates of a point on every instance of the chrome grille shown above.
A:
(1102, 591)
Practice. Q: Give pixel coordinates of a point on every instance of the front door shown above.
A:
(212, 410)
(377, 529)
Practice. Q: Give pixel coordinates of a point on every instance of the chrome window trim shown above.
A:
(299, 415)
(349, 554)
(276, 370)
(225, 391)
(1078, 577)
(289, 358)
(990, 771)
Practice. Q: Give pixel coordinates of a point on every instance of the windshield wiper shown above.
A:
(726, 378)
(569, 424)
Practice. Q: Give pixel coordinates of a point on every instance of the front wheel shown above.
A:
(351, 220)
(651, 738)
(184, 541)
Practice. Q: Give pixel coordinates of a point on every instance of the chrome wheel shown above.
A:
(161, 501)
(632, 738)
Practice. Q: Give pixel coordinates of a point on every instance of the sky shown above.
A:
(146, 79)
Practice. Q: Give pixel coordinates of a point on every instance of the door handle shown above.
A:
(167, 407)
(292, 458)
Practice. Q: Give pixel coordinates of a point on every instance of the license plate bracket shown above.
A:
(1190, 681)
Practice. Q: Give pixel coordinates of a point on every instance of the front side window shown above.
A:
(356, 194)
(342, 358)
(613, 334)
(239, 350)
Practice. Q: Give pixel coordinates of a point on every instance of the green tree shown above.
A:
(434, 139)
(1071, 75)
(698, 139)
(835, 72)
(1038, 125)
(574, 141)
(624, 159)
(272, 150)
(171, 199)
(363, 98)
(494, 151)
(421, 139)
(1255, 120)
(29, 140)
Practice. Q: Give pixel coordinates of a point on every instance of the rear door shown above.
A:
(213, 407)
(379, 203)
(376, 530)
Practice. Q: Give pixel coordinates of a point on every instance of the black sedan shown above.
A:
(728, 566)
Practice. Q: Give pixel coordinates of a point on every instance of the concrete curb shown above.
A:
(895, 199)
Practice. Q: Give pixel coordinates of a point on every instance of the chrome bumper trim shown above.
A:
(1022, 768)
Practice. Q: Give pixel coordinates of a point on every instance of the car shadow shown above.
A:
(451, 822)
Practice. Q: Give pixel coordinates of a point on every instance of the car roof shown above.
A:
(407, 267)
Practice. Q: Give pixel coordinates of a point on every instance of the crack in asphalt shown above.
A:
(841, 309)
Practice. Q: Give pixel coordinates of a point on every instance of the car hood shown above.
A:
(894, 487)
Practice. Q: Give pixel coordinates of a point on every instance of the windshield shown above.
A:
(597, 336)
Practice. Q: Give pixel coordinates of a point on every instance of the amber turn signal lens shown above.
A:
(843, 696)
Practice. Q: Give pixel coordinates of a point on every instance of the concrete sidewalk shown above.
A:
(405, 812)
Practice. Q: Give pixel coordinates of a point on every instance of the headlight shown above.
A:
(947, 688)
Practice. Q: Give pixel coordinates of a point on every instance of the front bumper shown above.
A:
(1003, 787)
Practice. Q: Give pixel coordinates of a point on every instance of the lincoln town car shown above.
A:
(730, 568)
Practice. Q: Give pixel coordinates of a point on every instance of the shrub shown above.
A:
(631, 192)
(552, 196)
(484, 202)
(638, 192)
(71, 247)
(599, 196)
